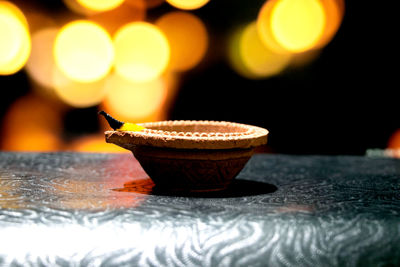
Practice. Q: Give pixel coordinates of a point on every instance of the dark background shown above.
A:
(344, 102)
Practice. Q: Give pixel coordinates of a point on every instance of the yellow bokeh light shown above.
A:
(235, 57)
(142, 51)
(83, 51)
(394, 140)
(257, 58)
(148, 4)
(334, 11)
(15, 45)
(188, 4)
(264, 28)
(31, 124)
(134, 102)
(41, 61)
(298, 24)
(95, 143)
(113, 20)
(78, 94)
(100, 5)
(187, 37)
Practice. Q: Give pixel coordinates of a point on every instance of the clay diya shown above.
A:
(191, 155)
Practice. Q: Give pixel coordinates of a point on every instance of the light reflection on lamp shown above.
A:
(15, 44)
(142, 51)
(83, 51)
(187, 4)
(187, 37)
(134, 102)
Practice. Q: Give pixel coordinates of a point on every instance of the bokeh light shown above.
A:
(77, 8)
(78, 94)
(142, 51)
(41, 62)
(83, 51)
(95, 143)
(134, 102)
(31, 124)
(100, 5)
(235, 57)
(258, 58)
(298, 24)
(15, 45)
(188, 4)
(114, 19)
(187, 37)
(147, 3)
(334, 11)
(394, 140)
(264, 28)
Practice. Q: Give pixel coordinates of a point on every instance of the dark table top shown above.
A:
(71, 209)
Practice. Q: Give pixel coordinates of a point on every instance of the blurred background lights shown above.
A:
(264, 28)
(31, 124)
(258, 58)
(94, 143)
(15, 44)
(41, 61)
(75, 93)
(334, 11)
(187, 37)
(297, 24)
(114, 19)
(83, 51)
(100, 5)
(136, 102)
(148, 4)
(187, 4)
(142, 51)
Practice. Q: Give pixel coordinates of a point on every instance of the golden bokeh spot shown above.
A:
(264, 28)
(298, 24)
(334, 11)
(257, 58)
(31, 124)
(41, 61)
(235, 57)
(113, 20)
(83, 51)
(78, 94)
(15, 45)
(187, 4)
(95, 143)
(100, 5)
(394, 140)
(142, 51)
(148, 4)
(134, 102)
(76, 7)
(187, 37)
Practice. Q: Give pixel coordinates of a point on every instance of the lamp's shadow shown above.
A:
(238, 188)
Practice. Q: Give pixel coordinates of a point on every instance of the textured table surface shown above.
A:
(72, 209)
